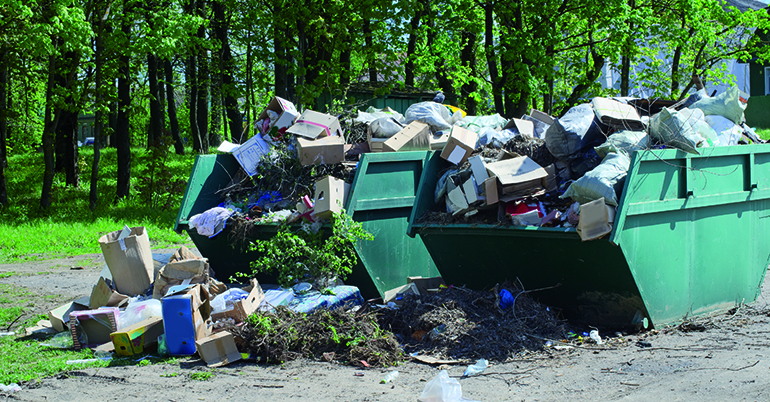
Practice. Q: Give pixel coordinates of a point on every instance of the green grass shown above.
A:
(763, 133)
(68, 227)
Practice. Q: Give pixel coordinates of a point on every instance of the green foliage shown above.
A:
(68, 227)
(296, 254)
(158, 186)
(201, 375)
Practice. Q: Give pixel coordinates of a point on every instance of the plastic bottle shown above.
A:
(477, 368)
(595, 336)
(390, 377)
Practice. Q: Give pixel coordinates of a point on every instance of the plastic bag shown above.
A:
(625, 141)
(385, 127)
(62, 340)
(224, 301)
(540, 127)
(697, 120)
(601, 181)
(139, 311)
(494, 138)
(671, 128)
(575, 131)
(476, 368)
(371, 114)
(727, 132)
(478, 123)
(727, 104)
(436, 115)
(443, 389)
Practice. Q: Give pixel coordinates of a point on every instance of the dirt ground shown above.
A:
(716, 358)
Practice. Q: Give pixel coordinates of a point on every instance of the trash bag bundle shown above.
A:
(371, 114)
(697, 120)
(601, 181)
(727, 132)
(726, 104)
(574, 132)
(494, 138)
(385, 127)
(625, 141)
(672, 129)
(436, 115)
(477, 124)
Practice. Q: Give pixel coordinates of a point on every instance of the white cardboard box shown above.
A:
(286, 113)
(460, 145)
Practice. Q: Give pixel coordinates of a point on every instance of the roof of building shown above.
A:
(744, 5)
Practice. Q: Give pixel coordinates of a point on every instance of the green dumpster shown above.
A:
(382, 198)
(688, 239)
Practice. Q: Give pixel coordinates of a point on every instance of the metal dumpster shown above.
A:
(688, 239)
(381, 197)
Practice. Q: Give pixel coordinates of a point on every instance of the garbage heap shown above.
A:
(569, 171)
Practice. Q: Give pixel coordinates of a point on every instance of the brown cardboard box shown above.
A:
(594, 220)
(242, 309)
(129, 259)
(91, 328)
(178, 272)
(286, 113)
(490, 191)
(414, 137)
(460, 145)
(323, 151)
(60, 316)
(523, 126)
(312, 125)
(218, 349)
(426, 285)
(330, 196)
(518, 176)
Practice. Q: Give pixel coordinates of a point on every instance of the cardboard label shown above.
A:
(456, 156)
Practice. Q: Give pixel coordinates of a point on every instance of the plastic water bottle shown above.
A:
(477, 368)
(390, 377)
(595, 336)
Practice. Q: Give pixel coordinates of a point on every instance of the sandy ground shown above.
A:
(729, 360)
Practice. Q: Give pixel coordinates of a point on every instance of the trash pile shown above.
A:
(570, 171)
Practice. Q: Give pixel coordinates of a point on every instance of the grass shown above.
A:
(68, 227)
(763, 133)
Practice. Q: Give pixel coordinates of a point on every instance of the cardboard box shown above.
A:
(60, 316)
(426, 285)
(218, 349)
(242, 309)
(135, 338)
(312, 125)
(323, 151)
(249, 154)
(524, 127)
(286, 114)
(490, 191)
(331, 194)
(460, 145)
(541, 116)
(471, 192)
(413, 137)
(518, 176)
(186, 311)
(180, 272)
(616, 114)
(376, 144)
(91, 328)
(395, 294)
(438, 141)
(129, 259)
(479, 168)
(594, 220)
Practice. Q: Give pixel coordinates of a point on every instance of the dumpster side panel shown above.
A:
(382, 199)
(209, 174)
(689, 227)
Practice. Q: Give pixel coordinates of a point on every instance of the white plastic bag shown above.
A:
(671, 128)
(385, 127)
(138, 311)
(478, 123)
(600, 182)
(728, 132)
(726, 104)
(443, 389)
(625, 141)
(436, 115)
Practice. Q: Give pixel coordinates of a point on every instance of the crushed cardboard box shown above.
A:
(286, 111)
(413, 137)
(330, 196)
(242, 309)
(313, 125)
(91, 328)
(135, 338)
(218, 349)
(129, 258)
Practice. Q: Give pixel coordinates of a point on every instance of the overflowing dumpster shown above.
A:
(381, 197)
(687, 239)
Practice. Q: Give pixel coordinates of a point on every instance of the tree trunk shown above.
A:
(489, 50)
(345, 54)
(468, 60)
(235, 121)
(113, 119)
(122, 134)
(625, 75)
(675, 70)
(3, 125)
(191, 71)
(172, 119)
(155, 133)
(281, 63)
(66, 147)
(48, 133)
(203, 83)
(371, 54)
(411, 46)
(592, 74)
(93, 195)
